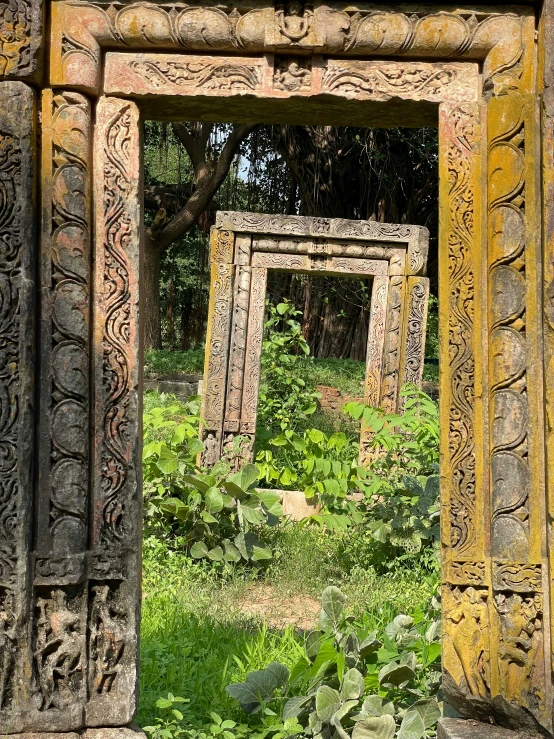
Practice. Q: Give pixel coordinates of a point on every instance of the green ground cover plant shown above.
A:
(193, 626)
(212, 537)
(164, 362)
(352, 679)
(208, 513)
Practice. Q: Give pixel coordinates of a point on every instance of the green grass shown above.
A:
(164, 362)
(344, 374)
(195, 640)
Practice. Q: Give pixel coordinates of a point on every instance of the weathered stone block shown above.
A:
(18, 255)
(21, 42)
(452, 728)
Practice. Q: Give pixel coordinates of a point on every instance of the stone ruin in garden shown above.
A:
(77, 79)
(244, 246)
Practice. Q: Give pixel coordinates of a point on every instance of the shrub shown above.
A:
(209, 513)
(284, 401)
(351, 682)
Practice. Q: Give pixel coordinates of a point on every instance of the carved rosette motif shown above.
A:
(507, 310)
(517, 574)
(63, 504)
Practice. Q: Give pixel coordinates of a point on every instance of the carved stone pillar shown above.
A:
(116, 489)
(494, 529)
(17, 307)
(217, 343)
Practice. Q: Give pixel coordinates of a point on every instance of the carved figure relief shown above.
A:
(59, 649)
(466, 610)
(108, 633)
(19, 37)
(294, 21)
(8, 645)
(521, 648)
(292, 75)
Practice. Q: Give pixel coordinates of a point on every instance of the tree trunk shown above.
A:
(151, 291)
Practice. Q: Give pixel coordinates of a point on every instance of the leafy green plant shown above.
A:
(321, 466)
(220, 512)
(172, 724)
(406, 516)
(170, 447)
(169, 724)
(212, 514)
(406, 442)
(284, 400)
(352, 683)
(401, 486)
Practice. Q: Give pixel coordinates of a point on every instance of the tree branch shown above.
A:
(206, 186)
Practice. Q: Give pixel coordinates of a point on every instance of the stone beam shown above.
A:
(80, 30)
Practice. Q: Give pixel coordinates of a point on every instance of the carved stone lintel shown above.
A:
(413, 80)
(315, 263)
(172, 74)
(81, 29)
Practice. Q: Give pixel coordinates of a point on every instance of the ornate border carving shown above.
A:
(319, 245)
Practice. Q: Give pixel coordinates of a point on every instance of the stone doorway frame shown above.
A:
(244, 247)
(72, 543)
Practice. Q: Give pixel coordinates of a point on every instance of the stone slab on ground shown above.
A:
(112, 732)
(453, 728)
(42, 735)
